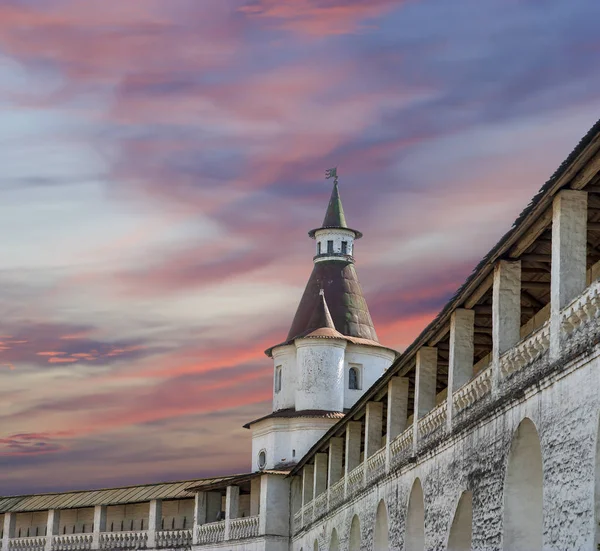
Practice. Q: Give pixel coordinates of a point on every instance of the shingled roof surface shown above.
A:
(334, 217)
(344, 296)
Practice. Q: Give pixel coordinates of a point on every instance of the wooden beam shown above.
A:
(536, 229)
(536, 257)
(478, 293)
(535, 270)
(588, 172)
(593, 226)
(529, 297)
(541, 285)
(592, 188)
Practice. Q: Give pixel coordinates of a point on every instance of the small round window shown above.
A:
(262, 459)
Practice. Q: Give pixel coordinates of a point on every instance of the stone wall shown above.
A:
(563, 405)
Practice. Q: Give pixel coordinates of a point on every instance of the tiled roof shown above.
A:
(293, 414)
(108, 496)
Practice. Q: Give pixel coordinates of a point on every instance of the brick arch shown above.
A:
(414, 539)
(381, 532)
(461, 531)
(523, 491)
(334, 541)
(354, 538)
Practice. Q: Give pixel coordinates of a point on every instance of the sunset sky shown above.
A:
(161, 162)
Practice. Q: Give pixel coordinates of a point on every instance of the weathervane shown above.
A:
(332, 173)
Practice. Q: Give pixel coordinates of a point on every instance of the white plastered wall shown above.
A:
(133, 512)
(373, 362)
(76, 521)
(285, 356)
(33, 522)
(280, 437)
(320, 369)
(177, 514)
(337, 236)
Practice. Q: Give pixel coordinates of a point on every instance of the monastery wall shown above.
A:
(562, 407)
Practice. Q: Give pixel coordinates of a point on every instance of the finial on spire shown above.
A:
(332, 173)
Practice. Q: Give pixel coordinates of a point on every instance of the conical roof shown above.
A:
(345, 302)
(334, 217)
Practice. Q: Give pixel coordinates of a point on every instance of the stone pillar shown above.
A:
(10, 523)
(232, 500)
(52, 527)
(425, 387)
(462, 348)
(255, 496)
(99, 525)
(373, 428)
(397, 411)
(353, 441)
(506, 312)
(336, 459)
(569, 252)
(320, 474)
(154, 521)
(308, 483)
(274, 519)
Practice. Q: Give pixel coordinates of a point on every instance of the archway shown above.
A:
(415, 519)
(334, 544)
(316, 546)
(381, 538)
(354, 544)
(523, 493)
(462, 525)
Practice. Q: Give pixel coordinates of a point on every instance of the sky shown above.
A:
(161, 164)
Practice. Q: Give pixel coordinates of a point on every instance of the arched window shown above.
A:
(381, 528)
(316, 545)
(415, 520)
(462, 525)
(354, 378)
(523, 512)
(354, 544)
(278, 378)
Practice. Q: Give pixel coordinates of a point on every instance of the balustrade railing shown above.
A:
(308, 512)
(400, 445)
(213, 532)
(336, 493)
(474, 390)
(27, 544)
(376, 465)
(297, 523)
(356, 479)
(72, 542)
(166, 539)
(321, 504)
(124, 540)
(582, 310)
(242, 528)
(526, 352)
(433, 420)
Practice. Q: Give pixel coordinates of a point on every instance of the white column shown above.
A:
(569, 252)
(255, 496)
(353, 442)
(308, 482)
(154, 521)
(52, 527)
(506, 312)
(320, 474)
(425, 387)
(99, 525)
(274, 505)
(462, 348)
(336, 459)
(10, 523)
(232, 500)
(373, 428)
(397, 411)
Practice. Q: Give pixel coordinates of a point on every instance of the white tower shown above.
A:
(331, 353)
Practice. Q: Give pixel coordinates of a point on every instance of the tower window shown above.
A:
(262, 459)
(344, 247)
(319, 247)
(330, 246)
(354, 378)
(278, 378)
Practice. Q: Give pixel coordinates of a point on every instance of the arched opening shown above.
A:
(381, 528)
(354, 544)
(334, 544)
(462, 525)
(316, 546)
(523, 495)
(354, 378)
(415, 519)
